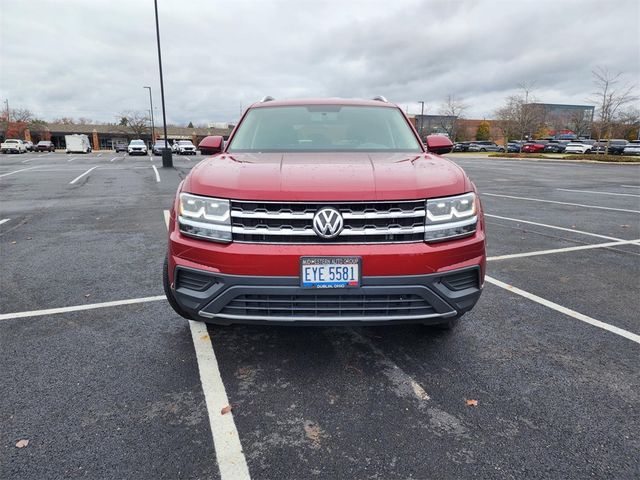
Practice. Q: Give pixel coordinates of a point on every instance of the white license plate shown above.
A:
(330, 272)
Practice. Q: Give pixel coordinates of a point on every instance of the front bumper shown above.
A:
(226, 299)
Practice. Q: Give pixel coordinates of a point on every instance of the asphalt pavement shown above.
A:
(540, 380)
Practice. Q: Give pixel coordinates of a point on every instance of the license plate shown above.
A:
(329, 272)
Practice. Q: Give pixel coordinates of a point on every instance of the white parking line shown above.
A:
(4, 220)
(561, 203)
(80, 176)
(630, 186)
(99, 154)
(562, 250)
(555, 227)
(77, 308)
(226, 441)
(157, 174)
(114, 158)
(17, 171)
(566, 311)
(72, 159)
(44, 155)
(598, 193)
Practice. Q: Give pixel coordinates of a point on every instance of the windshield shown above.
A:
(185, 142)
(137, 142)
(11, 141)
(43, 142)
(324, 128)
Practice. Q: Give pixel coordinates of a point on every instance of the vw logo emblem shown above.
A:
(328, 223)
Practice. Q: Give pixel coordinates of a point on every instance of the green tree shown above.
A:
(484, 131)
(190, 125)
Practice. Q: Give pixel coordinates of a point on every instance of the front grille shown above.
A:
(193, 280)
(462, 281)
(364, 222)
(328, 306)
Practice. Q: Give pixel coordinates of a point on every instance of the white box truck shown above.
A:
(77, 143)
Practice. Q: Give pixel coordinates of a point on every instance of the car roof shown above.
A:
(323, 101)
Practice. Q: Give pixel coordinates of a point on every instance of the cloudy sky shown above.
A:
(83, 58)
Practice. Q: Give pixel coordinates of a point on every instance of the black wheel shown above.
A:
(483, 149)
(167, 291)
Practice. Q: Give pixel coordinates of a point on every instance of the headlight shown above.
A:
(450, 217)
(205, 217)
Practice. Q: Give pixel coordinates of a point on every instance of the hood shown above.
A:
(323, 176)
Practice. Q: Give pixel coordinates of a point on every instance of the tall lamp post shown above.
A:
(153, 128)
(421, 120)
(167, 159)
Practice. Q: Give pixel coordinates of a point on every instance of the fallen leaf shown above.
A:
(225, 410)
(624, 226)
(29, 238)
(14, 242)
(472, 403)
(22, 443)
(87, 295)
(573, 226)
(204, 337)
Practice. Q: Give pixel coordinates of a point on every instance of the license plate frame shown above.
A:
(326, 261)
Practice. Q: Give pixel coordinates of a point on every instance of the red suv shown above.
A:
(325, 212)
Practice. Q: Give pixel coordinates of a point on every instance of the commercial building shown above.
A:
(104, 137)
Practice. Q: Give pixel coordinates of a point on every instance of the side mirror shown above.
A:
(211, 145)
(439, 144)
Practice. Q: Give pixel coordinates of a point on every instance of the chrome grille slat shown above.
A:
(364, 222)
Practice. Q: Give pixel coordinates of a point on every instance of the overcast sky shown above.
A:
(91, 58)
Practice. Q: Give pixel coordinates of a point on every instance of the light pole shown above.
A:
(153, 128)
(421, 120)
(167, 159)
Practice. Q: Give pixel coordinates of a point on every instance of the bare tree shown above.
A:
(21, 115)
(609, 97)
(451, 111)
(65, 120)
(580, 122)
(628, 124)
(138, 122)
(521, 116)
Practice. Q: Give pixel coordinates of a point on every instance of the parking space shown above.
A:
(130, 390)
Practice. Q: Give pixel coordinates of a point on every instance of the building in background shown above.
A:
(104, 137)
(562, 120)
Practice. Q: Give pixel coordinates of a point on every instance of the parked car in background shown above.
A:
(77, 143)
(13, 145)
(45, 146)
(535, 146)
(157, 147)
(461, 146)
(483, 146)
(632, 148)
(185, 147)
(137, 147)
(120, 146)
(29, 145)
(578, 147)
(555, 146)
(514, 147)
(616, 146)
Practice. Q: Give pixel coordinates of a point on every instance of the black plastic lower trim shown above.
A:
(281, 300)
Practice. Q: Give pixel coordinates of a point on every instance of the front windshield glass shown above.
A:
(185, 142)
(335, 128)
(137, 142)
